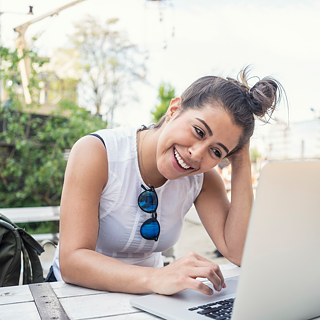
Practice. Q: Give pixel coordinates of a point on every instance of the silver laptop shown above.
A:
(280, 272)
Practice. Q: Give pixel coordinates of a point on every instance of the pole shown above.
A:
(21, 45)
(2, 91)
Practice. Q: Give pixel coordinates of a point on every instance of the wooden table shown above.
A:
(61, 301)
(21, 302)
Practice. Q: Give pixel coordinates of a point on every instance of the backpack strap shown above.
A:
(26, 276)
(31, 250)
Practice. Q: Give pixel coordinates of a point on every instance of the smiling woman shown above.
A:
(126, 191)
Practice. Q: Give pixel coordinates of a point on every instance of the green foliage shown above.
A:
(166, 94)
(40, 227)
(32, 161)
(32, 146)
(11, 77)
(9, 68)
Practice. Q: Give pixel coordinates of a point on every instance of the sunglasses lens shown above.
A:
(148, 201)
(150, 229)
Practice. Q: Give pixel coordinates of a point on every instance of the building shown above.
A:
(299, 141)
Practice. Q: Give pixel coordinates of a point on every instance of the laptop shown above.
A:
(280, 271)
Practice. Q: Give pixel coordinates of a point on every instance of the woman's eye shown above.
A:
(217, 153)
(199, 132)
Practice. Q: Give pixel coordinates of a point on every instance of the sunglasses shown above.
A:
(148, 202)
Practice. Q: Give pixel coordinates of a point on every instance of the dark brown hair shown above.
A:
(241, 102)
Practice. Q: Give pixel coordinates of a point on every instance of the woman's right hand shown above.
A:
(182, 274)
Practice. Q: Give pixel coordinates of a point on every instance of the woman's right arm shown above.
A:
(85, 178)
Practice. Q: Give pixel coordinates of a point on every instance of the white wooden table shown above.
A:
(19, 302)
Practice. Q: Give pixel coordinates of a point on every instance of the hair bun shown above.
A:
(264, 96)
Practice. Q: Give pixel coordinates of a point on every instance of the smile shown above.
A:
(181, 163)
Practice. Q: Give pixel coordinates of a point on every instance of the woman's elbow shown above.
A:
(67, 268)
(235, 257)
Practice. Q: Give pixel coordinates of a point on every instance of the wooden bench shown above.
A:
(34, 214)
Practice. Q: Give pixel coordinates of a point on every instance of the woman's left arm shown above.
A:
(225, 222)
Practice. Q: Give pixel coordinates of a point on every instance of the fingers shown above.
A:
(182, 274)
(199, 286)
(207, 269)
(210, 274)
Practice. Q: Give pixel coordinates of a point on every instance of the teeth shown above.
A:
(181, 162)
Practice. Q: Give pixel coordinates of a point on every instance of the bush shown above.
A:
(33, 153)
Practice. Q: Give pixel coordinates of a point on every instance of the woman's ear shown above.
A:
(174, 108)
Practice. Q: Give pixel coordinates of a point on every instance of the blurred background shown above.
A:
(69, 68)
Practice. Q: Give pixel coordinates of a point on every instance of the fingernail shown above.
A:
(224, 285)
(219, 289)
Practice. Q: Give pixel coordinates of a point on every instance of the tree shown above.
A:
(61, 75)
(11, 76)
(166, 94)
(33, 147)
(108, 60)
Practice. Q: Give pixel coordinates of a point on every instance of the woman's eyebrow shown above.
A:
(207, 127)
(224, 147)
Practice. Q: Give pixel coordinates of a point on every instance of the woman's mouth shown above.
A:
(180, 161)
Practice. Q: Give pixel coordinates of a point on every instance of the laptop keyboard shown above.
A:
(220, 310)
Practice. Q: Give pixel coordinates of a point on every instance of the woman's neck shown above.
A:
(147, 156)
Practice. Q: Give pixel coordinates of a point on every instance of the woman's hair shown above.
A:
(241, 102)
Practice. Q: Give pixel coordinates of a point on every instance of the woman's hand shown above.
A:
(182, 274)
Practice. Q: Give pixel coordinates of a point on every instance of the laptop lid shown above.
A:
(280, 274)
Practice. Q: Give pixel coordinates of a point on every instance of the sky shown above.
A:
(277, 37)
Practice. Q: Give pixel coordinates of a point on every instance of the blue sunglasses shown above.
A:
(148, 202)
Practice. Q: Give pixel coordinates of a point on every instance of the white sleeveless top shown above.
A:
(120, 216)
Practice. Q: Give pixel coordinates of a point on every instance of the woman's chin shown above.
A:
(172, 175)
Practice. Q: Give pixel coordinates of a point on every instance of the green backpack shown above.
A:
(13, 242)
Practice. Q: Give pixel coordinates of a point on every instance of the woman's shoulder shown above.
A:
(212, 181)
(87, 159)
(120, 142)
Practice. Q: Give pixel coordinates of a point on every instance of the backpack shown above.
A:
(13, 242)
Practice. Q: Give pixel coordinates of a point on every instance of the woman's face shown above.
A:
(194, 141)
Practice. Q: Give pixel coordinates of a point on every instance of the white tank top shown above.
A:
(120, 216)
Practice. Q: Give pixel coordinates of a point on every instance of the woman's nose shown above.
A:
(196, 151)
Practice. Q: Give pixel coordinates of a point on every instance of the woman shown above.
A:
(126, 192)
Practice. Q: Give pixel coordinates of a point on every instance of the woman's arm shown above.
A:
(85, 178)
(225, 222)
